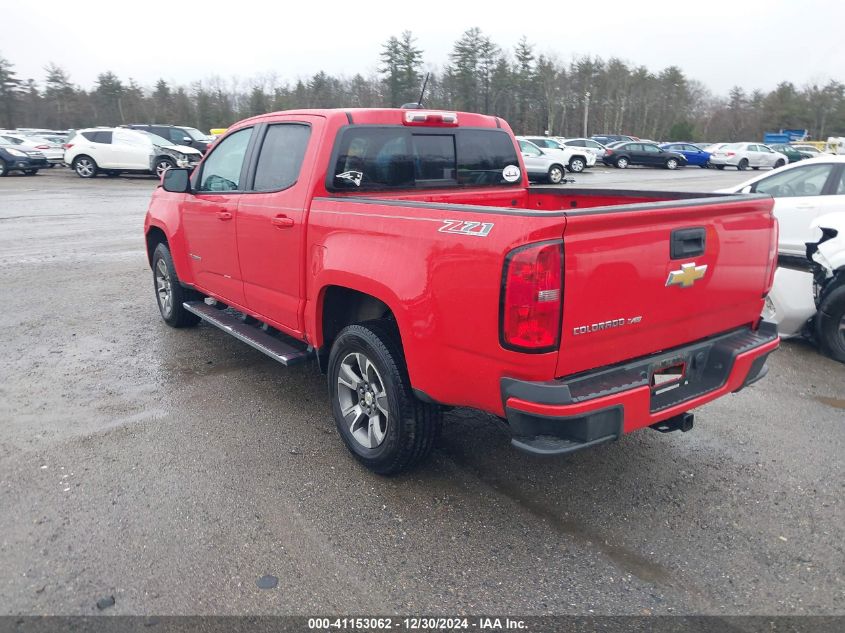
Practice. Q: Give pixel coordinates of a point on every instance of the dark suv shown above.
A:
(177, 134)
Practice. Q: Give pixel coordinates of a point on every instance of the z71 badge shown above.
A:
(476, 229)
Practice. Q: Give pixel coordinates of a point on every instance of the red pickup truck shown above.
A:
(406, 253)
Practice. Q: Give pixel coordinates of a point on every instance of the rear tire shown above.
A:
(385, 427)
(169, 292)
(742, 165)
(85, 166)
(30, 172)
(779, 163)
(720, 167)
(830, 323)
(555, 174)
(672, 163)
(622, 163)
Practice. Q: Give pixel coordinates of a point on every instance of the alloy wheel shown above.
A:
(363, 400)
(164, 289)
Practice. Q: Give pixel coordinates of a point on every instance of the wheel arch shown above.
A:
(339, 305)
(155, 236)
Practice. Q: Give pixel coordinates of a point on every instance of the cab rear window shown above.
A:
(392, 157)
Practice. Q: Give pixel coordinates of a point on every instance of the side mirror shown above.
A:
(176, 180)
(186, 139)
(746, 189)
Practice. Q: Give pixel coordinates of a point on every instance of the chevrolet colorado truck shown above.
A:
(405, 252)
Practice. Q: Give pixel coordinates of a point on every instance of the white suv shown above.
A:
(118, 150)
(575, 158)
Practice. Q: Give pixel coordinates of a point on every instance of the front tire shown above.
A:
(622, 163)
(555, 174)
(779, 163)
(30, 172)
(162, 165)
(577, 164)
(830, 324)
(169, 292)
(85, 166)
(3, 169)
(672, 163)
(381, 422)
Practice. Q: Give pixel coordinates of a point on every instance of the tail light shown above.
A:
(608, 152)
(772, 264)
(67, 145)
(42, 147)
(730, 153)
(532, 298)
(437, 119)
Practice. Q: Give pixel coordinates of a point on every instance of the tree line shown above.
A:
(535, 92)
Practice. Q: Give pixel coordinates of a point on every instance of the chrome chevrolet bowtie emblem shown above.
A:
(687, 275)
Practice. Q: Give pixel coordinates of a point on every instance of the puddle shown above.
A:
(836, 403)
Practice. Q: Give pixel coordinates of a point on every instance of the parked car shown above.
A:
(53, 152)
(803, 192)
(607, 139)
(694, 154)
(118, 150)
(622, 154)
(810, 300)
(576, 159)
(15, 158)
(589, 145)
(745, 155)
(792, 155)
(177, 135)
(404, 251)
(809, 151)
(541, 166)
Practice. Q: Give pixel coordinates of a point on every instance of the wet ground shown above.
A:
(173, 469)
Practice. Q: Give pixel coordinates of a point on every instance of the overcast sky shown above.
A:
(751, 43)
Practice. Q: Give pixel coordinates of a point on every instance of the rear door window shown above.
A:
(392, 157)
(99, 137)
(280, 159)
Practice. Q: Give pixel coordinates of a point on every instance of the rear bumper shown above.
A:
(562, 416)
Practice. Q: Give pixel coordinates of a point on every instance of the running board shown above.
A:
(287, 352)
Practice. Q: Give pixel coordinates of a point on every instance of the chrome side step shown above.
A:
(287, 352)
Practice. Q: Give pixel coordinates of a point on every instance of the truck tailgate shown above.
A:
(644, 278)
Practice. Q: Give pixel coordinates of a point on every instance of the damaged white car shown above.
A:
(811, 302)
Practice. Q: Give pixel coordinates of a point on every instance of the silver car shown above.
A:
(539, 164)
(589, 145)
(745, 155)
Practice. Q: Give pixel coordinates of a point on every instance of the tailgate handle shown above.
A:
(687, 243)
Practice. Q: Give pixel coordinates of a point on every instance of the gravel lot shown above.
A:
(172, 469)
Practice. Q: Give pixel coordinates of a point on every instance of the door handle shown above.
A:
(224, 215)
(282, 222)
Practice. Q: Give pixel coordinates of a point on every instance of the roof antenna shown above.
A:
(419, 104)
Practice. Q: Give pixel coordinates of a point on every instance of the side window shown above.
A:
(578, 143)
(592, 144)
(802, 181)
(176, 136)
(632, 147)
(89, 135)
(840, 188)
(102, 137)
(221, 171)
(129, 138)
(651, 148)
(527, 148)
(281, 156)
(752, 148)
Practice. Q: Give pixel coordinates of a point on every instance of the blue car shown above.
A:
(693, 153)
